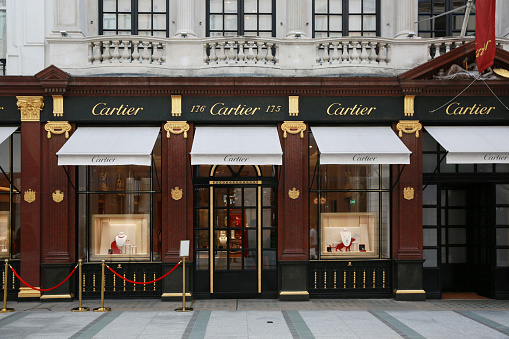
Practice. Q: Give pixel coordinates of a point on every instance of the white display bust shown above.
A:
(346, 237)
(120, 239)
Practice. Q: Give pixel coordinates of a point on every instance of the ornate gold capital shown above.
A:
(293, 127)
(176, 127)
(29, 196)
(409, 105)
(293, 106)
(58, 127)
(58, 196)
(408, 193)
(58, 105)
(409, 127)
(30, 107)
(293, 193)
(176, 105)
(176, 193)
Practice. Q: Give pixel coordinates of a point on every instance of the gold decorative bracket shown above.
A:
(409, 105)
(293, 106)
(409, 127)
(176, 127)
(58, 127)
(58, 105)
(30, 107)
(176, 105)
(293, 127)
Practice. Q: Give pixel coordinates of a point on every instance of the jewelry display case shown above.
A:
(120, 237)
(348, 235)
(4, 234)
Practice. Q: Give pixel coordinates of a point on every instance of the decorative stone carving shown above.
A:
(176, 105)
(30, 107)
(293, 106)
(409, 105)
(58, 105)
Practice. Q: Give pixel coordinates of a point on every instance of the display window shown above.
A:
(349, 210)
(10, 202)
(120, 211)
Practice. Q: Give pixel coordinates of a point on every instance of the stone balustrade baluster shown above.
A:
(335, 53)
(250, 53)
(163, 54)
(136, 53)
(276, 54)
(381, 53)
(97, 54)
(232, 54)
(345, 56)
(354, 56)
(106, 52)
(364, 53)
(241, 56)
(326, 50)
(269, 57)
(90, 53)
(372, 52)
(213, 54)
(126, 54)
(115, 56)
(318, 56)
(388, 53)
(145, 56)
(222, 53)
(206, 56)
(259, 54)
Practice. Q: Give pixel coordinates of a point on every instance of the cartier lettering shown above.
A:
(221, 109)
(494, 157)
(102, 109)
(337, 109)
(359, 157)
(103, 159)
(475, 109)
(231, 158)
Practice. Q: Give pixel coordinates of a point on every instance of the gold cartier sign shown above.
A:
(456, 108)
(102, 108)
(337, 109)
(222, 109)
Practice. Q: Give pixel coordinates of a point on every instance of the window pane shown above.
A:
(124, 5)
(144, 6)
(369, 6)
(202, 260)
(269, 217)
(269, 196)
(320, 6)
(216, 22)
(249, 197)
(124, 21)
(269, 260)
(457, 217)
(144, 21)
(457, 236)
(320, 35)
(424, 6)
(321, 23)
(354, 23)
(250, 22)
(265, 6)
(265, 22)
(159, 5)
(159, 21)
(355, 6)
(336, 23)
(230, 22)
(369, 22)
(335, 6)
(456, 198)
(216, 6)
(230, 6)
(429, 195)
(108, 5)
(503, 257)
(457, 255)
(502, 216)
(429, 216)
(109, 21)
(430, 237)
(431, 258)
(439, 6)
(250, 6)
(202, 218)
(502, 193)
(502, 236)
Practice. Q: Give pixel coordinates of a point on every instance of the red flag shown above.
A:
(484, 34)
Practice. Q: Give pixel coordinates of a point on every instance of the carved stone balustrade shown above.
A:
(241, 51)
(126, 50)
(353, 51)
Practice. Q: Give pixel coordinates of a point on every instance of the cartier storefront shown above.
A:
(285, 189)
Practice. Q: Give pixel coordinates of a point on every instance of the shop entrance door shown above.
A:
(466, 220)
(235, 233)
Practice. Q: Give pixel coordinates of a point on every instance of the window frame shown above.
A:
(449, 30)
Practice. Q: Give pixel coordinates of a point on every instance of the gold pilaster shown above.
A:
(293, 106)
(293, 127)
(58, 105)
(176, 106)
(176, 127)
(409, 127)
(58, 127)
(409, 105)
(30, 107)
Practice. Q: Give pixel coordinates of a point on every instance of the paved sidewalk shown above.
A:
(238, 318)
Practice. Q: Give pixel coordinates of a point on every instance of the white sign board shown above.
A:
(184, 248)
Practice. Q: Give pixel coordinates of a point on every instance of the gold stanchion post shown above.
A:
(102, 308)
(6, 279)
(184, 252)
(80, 293)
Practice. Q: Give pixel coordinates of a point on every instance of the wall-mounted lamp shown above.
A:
(411, 34)
(183, 34)
(64, 33)
(298, 34)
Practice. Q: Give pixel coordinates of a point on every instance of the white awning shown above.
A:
(103, 146)
(236, 146)
(473, 144)
(6, 132)
(360, 145)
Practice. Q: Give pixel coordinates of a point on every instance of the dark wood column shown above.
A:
(293, 200)
(177, 200)
(58, 223)
(31, 133)
(407, 216)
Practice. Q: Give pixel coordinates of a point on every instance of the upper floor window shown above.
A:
(241, 18)
(336, 18)
(3, 42)
(134, 17)
(449, 24)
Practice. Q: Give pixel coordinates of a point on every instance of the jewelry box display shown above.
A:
(120, 236)
(4, 234)
(348, 235)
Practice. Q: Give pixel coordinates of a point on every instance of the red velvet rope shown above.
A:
(41, 289)
(143, 283)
